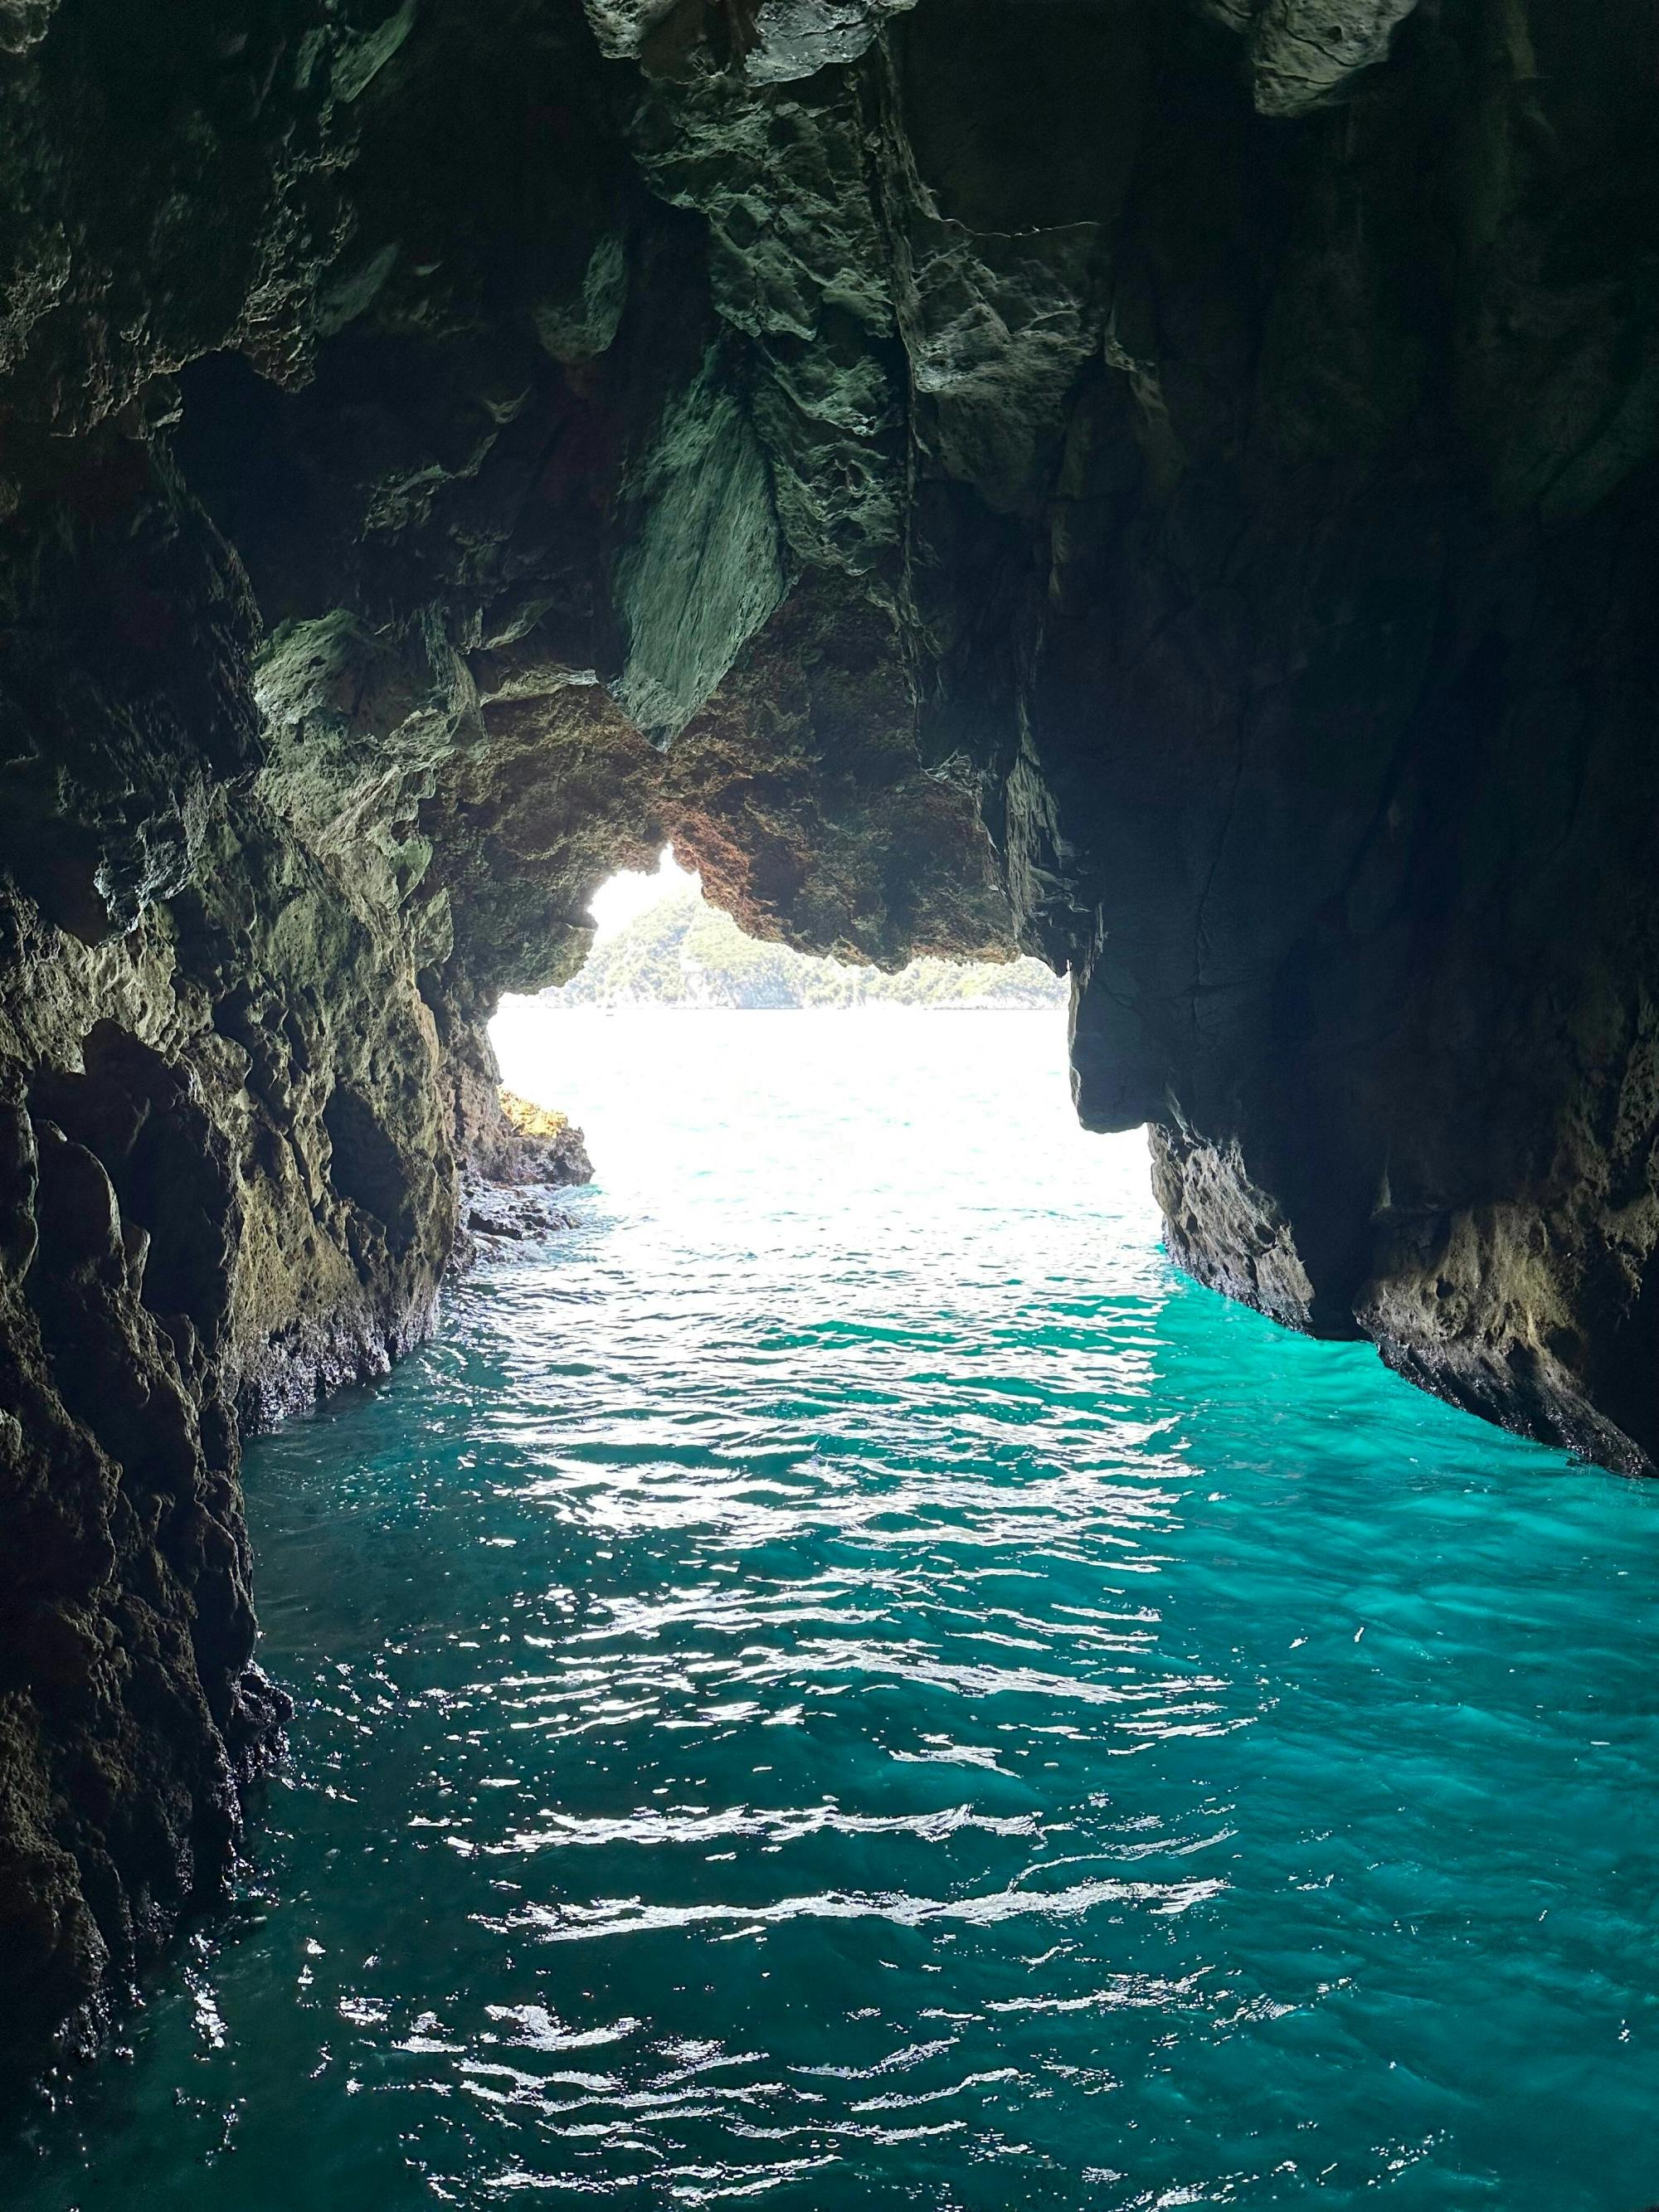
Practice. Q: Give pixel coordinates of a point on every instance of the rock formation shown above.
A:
(1164, 484)
(515, 1156)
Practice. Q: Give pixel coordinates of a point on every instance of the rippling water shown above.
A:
(844, 1682)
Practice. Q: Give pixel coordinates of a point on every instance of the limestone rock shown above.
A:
(548, 1147)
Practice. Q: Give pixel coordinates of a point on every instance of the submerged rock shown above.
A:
(516, 1214)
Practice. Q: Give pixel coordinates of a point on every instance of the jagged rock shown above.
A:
(1168, 487)
(769, 41)
(507, 1216)
(516, 1157)
(540, 1146)
(1303, 52)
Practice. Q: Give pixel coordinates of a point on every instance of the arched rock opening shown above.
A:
(1167, 486)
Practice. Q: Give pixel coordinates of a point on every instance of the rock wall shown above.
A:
(1168, 486)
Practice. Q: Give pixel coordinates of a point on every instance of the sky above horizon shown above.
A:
(630, 893)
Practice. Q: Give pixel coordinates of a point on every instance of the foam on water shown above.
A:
(844, 1682)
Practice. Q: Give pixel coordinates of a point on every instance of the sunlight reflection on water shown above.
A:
(844, 1681)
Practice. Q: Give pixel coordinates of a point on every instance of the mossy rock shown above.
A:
(530, 1120)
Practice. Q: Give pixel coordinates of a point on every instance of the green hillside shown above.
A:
(684, 952)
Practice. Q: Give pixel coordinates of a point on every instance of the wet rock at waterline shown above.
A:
(1167, 488)
(513, 1177)
(547, 1145)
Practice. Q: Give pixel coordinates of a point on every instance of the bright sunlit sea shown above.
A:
(842, 1681)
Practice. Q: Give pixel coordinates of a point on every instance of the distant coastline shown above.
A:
(683, 952)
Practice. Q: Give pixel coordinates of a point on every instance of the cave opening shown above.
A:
(886, 1585)
(834, 1628)
(689, 1054)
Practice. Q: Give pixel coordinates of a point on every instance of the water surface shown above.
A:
(844, 1682)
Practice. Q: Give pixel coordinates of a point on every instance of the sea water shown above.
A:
(842, 1680)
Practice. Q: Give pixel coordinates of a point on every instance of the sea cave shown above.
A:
(1009, 1570)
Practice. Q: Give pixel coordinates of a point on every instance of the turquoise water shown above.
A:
(843, 1682)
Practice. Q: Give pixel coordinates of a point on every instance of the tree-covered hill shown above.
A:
(684, 952)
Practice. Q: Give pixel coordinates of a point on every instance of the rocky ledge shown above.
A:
(509, 1195)
(547, 1146)
(1167, 485)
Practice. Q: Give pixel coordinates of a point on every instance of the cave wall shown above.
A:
(1251, 414)
(1167, 486)
(381, 493)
